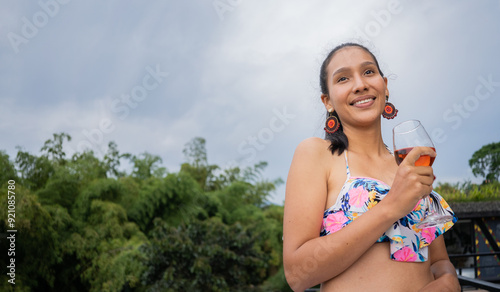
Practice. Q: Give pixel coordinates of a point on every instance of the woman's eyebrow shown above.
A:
(345, 69)
(340, 70)
(366, 64)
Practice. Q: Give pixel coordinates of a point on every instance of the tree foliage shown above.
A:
(84, 224)
(485, 162)
(204, 256)
(54, 148)
(468, 192)
(7, 168)
(146, 165)
(35, 171)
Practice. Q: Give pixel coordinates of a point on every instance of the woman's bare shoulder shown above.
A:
(313, 145)
(314, 152)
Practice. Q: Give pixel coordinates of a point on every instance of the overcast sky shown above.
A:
(152, 75)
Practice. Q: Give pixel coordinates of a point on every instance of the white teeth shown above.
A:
(363, 101)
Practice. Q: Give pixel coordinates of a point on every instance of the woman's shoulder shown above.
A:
(314, 149)
(313, 144)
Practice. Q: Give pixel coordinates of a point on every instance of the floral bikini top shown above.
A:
(407, 242)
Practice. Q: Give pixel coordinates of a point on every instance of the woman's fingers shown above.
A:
(425, 174)
(413, 183)
(415, 154)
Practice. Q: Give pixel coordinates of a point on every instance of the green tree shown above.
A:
(204, 256)
(37, 242)
(246, 186)
(86, 167)
(173, 199)
(54, 148)
(35, 171)
(197, 164)
(112, 160)
(7, 168)
(99, 229)
(195, 152)
(61, 189)
(146, 165)
(103, 241)
(107, 248)
(485, 162)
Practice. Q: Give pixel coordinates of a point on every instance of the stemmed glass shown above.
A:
(407, 135)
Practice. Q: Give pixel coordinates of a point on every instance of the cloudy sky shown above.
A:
(151, 75)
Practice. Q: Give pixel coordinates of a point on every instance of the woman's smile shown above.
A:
(363, 101)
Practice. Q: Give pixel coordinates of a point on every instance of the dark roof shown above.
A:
(466, 210)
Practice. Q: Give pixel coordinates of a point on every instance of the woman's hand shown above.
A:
(444, 283)
(443, 270)
(411, 182)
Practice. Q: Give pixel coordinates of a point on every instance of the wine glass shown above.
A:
(407, 135)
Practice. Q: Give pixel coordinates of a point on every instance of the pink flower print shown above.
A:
(358, 196)
(429, 234)
(335, 221)
(419, 205)
(405, 254)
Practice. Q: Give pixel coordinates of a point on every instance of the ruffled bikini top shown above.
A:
(407, 242)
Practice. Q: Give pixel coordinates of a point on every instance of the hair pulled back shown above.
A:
(339, 141)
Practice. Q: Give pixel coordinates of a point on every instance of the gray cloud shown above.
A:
(227, 77)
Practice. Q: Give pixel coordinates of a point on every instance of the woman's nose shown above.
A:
(359, 84)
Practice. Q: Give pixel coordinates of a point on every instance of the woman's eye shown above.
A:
(369, 71)
(341, 79)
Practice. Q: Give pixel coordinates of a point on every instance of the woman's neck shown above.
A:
(365, 140)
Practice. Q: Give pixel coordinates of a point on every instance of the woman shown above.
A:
(350, 171)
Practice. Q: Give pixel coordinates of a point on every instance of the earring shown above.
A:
(390, 111)
(332, 123)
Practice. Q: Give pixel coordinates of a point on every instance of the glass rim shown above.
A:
(417, 124)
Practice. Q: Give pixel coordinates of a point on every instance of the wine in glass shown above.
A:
(407, 135)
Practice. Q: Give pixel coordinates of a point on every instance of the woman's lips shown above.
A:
(363, 102)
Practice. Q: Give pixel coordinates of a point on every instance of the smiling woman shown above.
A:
(338, 139)
(349, 220)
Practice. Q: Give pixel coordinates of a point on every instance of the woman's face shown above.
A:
(356, 89)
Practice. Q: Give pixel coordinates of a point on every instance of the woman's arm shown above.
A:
(309, 259)
(443, 270)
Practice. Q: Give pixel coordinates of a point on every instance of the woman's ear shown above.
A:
(386, 89)
(326, 101)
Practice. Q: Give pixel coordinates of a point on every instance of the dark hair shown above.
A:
(339, 141)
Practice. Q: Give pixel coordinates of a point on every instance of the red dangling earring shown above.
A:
(332, 123)
(390, 111)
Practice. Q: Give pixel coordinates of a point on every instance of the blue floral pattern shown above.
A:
(407, 242)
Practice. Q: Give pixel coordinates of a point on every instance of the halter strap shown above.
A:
(347, 165)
